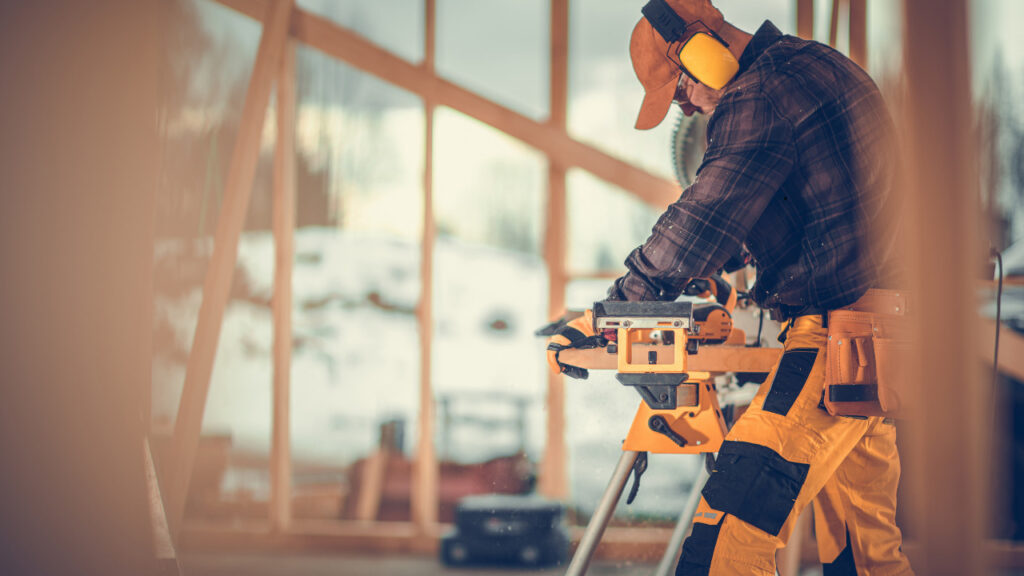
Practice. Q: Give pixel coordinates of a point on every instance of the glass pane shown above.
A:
(885, 41)
(604, 94)
(997, 64)
(748, 16)
(490, 295)
(489, 187)
(605, 223)
(208, 59)
(395, 25)
(355, 363)
(498, 49)
(997, 67)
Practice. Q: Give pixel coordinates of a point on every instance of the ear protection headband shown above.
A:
(697, 49)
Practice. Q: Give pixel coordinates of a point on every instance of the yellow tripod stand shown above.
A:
(657, 352)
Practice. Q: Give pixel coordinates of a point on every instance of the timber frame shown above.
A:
(284, 25)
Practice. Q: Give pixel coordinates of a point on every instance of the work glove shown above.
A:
(579, 334)
(712, 286)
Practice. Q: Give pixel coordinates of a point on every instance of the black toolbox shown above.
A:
(505, 529)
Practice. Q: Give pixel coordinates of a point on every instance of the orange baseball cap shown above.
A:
(656, 65)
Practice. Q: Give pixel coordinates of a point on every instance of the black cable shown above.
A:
(760, 327)
(999, 311)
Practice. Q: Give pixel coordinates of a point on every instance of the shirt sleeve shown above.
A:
(750, 154)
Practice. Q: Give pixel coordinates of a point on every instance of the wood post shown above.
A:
(805, 19)
(833, 27)
(859, 32)
(947, 460)
(284, 256)
(221, 268)
(425, 490)
(554, 480)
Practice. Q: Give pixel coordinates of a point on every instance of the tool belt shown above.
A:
(868, 357)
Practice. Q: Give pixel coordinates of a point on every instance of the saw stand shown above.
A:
(606, 507)
(679, 413)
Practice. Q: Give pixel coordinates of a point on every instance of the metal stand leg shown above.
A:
(602, 514)
(668, 561)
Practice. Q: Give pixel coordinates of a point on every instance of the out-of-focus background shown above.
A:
(459, 173)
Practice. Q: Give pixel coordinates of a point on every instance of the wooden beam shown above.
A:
(284, 254)
(859, 32)
(425, 488)
(346, 45)
(163, 544)
(948, 503)
(805, 19)
(714, 358)
(554, 477)
(788, 558)
(221, 268)
(833, 27)
(371, 485)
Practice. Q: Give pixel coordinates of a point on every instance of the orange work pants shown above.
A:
(787, 451)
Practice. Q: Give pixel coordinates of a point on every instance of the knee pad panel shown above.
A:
(755, 484)
(698, 550)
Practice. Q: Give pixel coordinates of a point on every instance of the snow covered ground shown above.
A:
(356, 360)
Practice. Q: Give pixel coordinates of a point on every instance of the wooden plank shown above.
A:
(346, 45)
(425, 488)
(163, 544)
(221, 268)
(789, 557)
(833, 27)
(371, 485)
(948, 503)
(713, 358)
(554, 478)
(284, 255)
(805, 19)
(859, 32)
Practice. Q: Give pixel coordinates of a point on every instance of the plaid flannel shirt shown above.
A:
(799, 169)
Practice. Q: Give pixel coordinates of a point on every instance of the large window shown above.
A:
(356, 281)
(209, 60)
(498, 49)
(395, 25)
(490, 294)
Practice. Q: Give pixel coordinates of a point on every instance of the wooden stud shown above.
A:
(425, 488)
(833, 28)
(716, 358)
(284, 255)
(221, 268)
(859, 32)
(554, 479)
(805, 19)
(948, 502)
(789, 557)
(336, 41)
(163, 544)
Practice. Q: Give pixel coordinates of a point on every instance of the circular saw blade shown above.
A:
(689, 142)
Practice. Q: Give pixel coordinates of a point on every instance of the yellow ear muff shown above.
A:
(708, 60)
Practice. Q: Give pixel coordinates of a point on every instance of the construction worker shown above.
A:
(798, 169)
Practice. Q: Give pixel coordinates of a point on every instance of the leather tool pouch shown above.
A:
(869, 345)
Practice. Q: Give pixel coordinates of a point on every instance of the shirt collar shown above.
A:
(765, 36)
